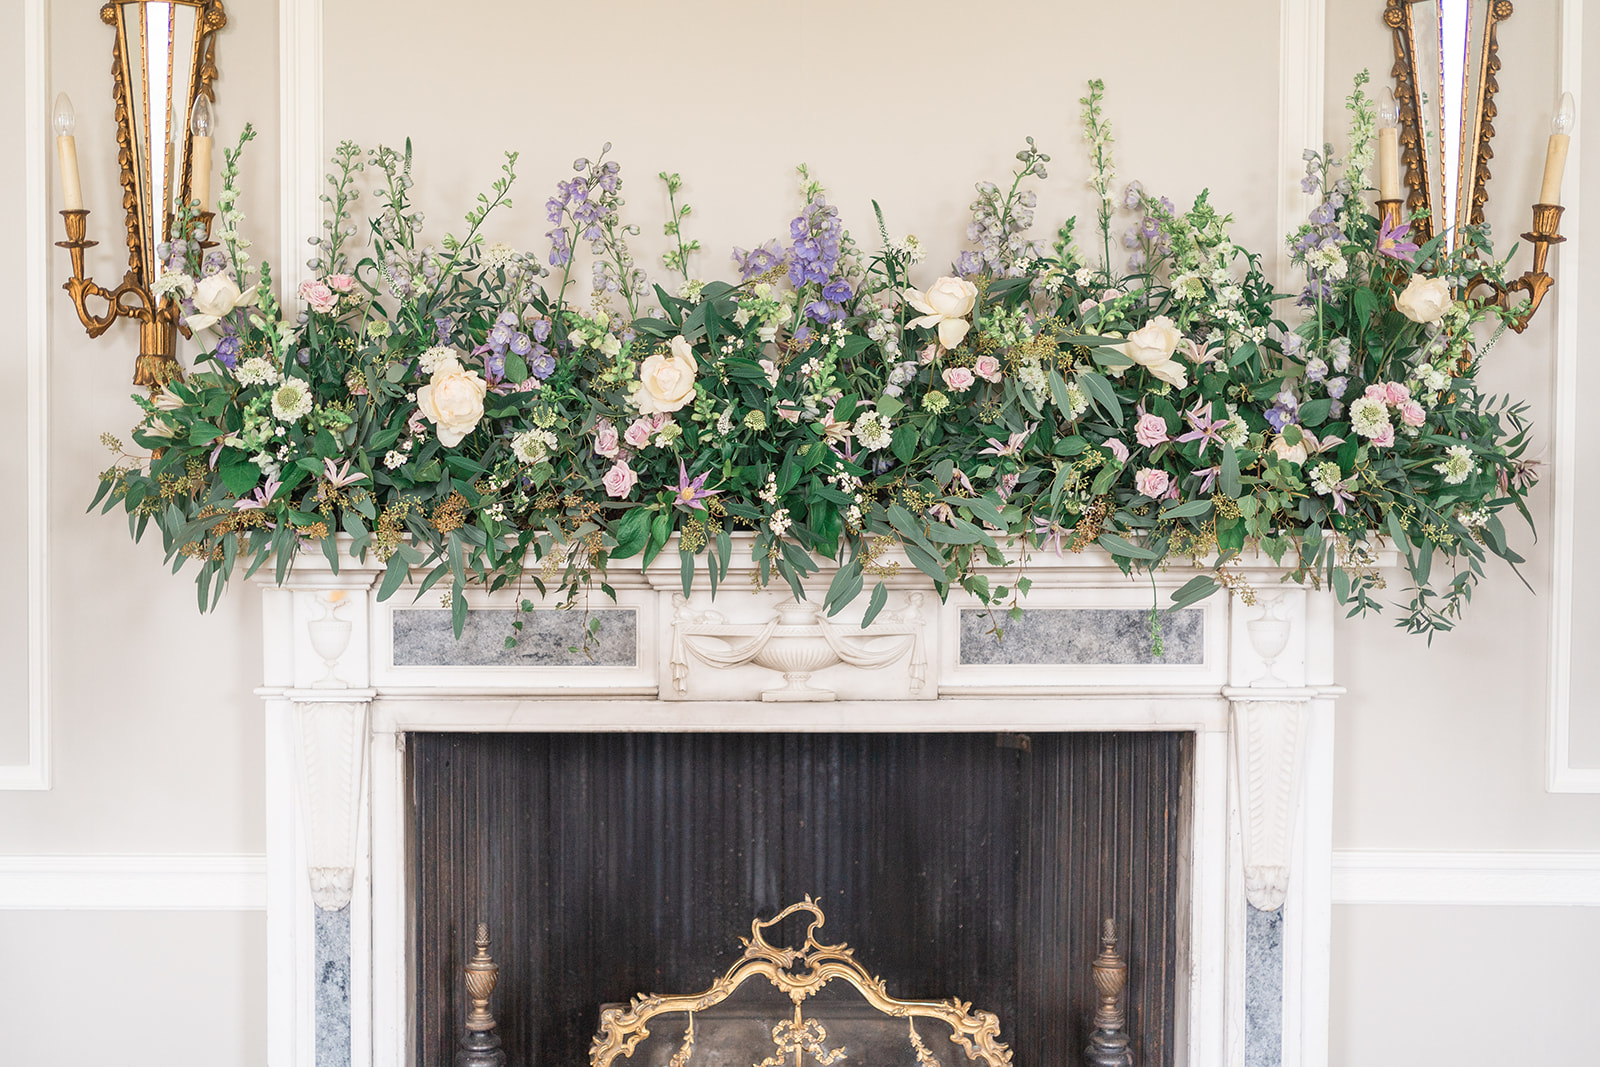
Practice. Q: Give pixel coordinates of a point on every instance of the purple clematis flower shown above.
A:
(1392, 242)
(690, 493)
(1206, 430)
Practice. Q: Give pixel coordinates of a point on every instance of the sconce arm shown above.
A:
(1535, 282)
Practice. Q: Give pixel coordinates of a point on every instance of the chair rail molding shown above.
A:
(212, 882)
(1560, 774)
(35, 774)
(1502, 879)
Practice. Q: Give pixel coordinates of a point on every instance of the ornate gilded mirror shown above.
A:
(163, 63)
(1446, 59)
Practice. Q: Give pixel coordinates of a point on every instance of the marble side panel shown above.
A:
(1263, 988)
(332, 994)
(1082, 637)
(423, 638)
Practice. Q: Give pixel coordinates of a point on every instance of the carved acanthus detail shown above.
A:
(1267, 737)
(331, 738)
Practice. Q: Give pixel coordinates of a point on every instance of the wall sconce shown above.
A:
(163, 66)
(1447, 59)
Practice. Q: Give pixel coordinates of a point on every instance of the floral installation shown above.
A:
(455, 407)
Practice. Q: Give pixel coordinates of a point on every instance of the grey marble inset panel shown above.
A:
(1263, 988)
(332, 993)
(1082, 637)
(423, 638)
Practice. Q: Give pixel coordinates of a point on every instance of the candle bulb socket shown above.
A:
(1566, 116)
(64, 119)
(1388, 110)
(200, 121)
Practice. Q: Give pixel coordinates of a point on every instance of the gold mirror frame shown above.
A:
(1477, 118)
(150, 222)
(800, 973)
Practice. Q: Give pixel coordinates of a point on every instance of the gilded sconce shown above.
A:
(163, 66)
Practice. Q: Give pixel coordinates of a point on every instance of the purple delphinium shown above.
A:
(541, 364)
(758, 260)
(227, 350)
(1284, 411)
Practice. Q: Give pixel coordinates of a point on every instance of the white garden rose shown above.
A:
(453, 401)
(1152, 346)
(945, 306)
(215, 297)
(1153, 343)
(666, 380)
(1424, 299)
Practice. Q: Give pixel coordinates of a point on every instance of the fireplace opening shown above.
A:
(972, 865)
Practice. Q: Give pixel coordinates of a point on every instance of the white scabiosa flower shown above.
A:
(1458, 465)
(872, 430)
(1325, 476)
(291, 401)
(532, 447)
(257, 370)
(1369, 416)
(497, 255)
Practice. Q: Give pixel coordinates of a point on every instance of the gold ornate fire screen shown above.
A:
(802, 975)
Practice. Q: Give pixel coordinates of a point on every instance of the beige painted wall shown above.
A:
(156, 733)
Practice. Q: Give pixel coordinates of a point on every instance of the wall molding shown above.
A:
(218, 882)
(35, 774)
(1560, 775)
(1503, 879)
(238, 882)
(1302, 48)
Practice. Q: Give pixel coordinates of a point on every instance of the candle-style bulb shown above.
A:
(200, 117)
(1566, 116)
(65, 119)
(1388, 110)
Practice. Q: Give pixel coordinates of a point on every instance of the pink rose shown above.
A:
(1411, 413)
(1396, 394)
(959, 378)
(926, 353)
(318, 295)
(1376, 391)
(342, 283)
(638, 433)
(1385, 438)
(987, 368)
(620, 480)
(1118, 449)
(1151, 430)
(605, 439)
(1151, 482)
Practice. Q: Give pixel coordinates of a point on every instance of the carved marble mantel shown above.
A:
(345, 677)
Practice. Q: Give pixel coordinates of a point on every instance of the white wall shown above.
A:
(157, 739)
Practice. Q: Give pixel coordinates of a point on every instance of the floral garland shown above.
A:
(449, 407)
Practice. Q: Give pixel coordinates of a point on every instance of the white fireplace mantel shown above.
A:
(346, 677)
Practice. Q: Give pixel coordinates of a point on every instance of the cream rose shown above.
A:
(945, 306)
(666, 382)
(453, 401)
(215, 297)
(1424, 299)
(1152, 345)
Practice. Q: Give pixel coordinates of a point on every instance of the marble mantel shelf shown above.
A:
(346, 677)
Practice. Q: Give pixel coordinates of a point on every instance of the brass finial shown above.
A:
(482, 974)
(1108, 1045)
(480, 1046)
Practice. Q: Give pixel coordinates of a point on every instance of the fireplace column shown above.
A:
(317, 695)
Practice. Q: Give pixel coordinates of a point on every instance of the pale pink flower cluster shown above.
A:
(642, 429)
(1151, 430)
(619, 480)
(1151, 482)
